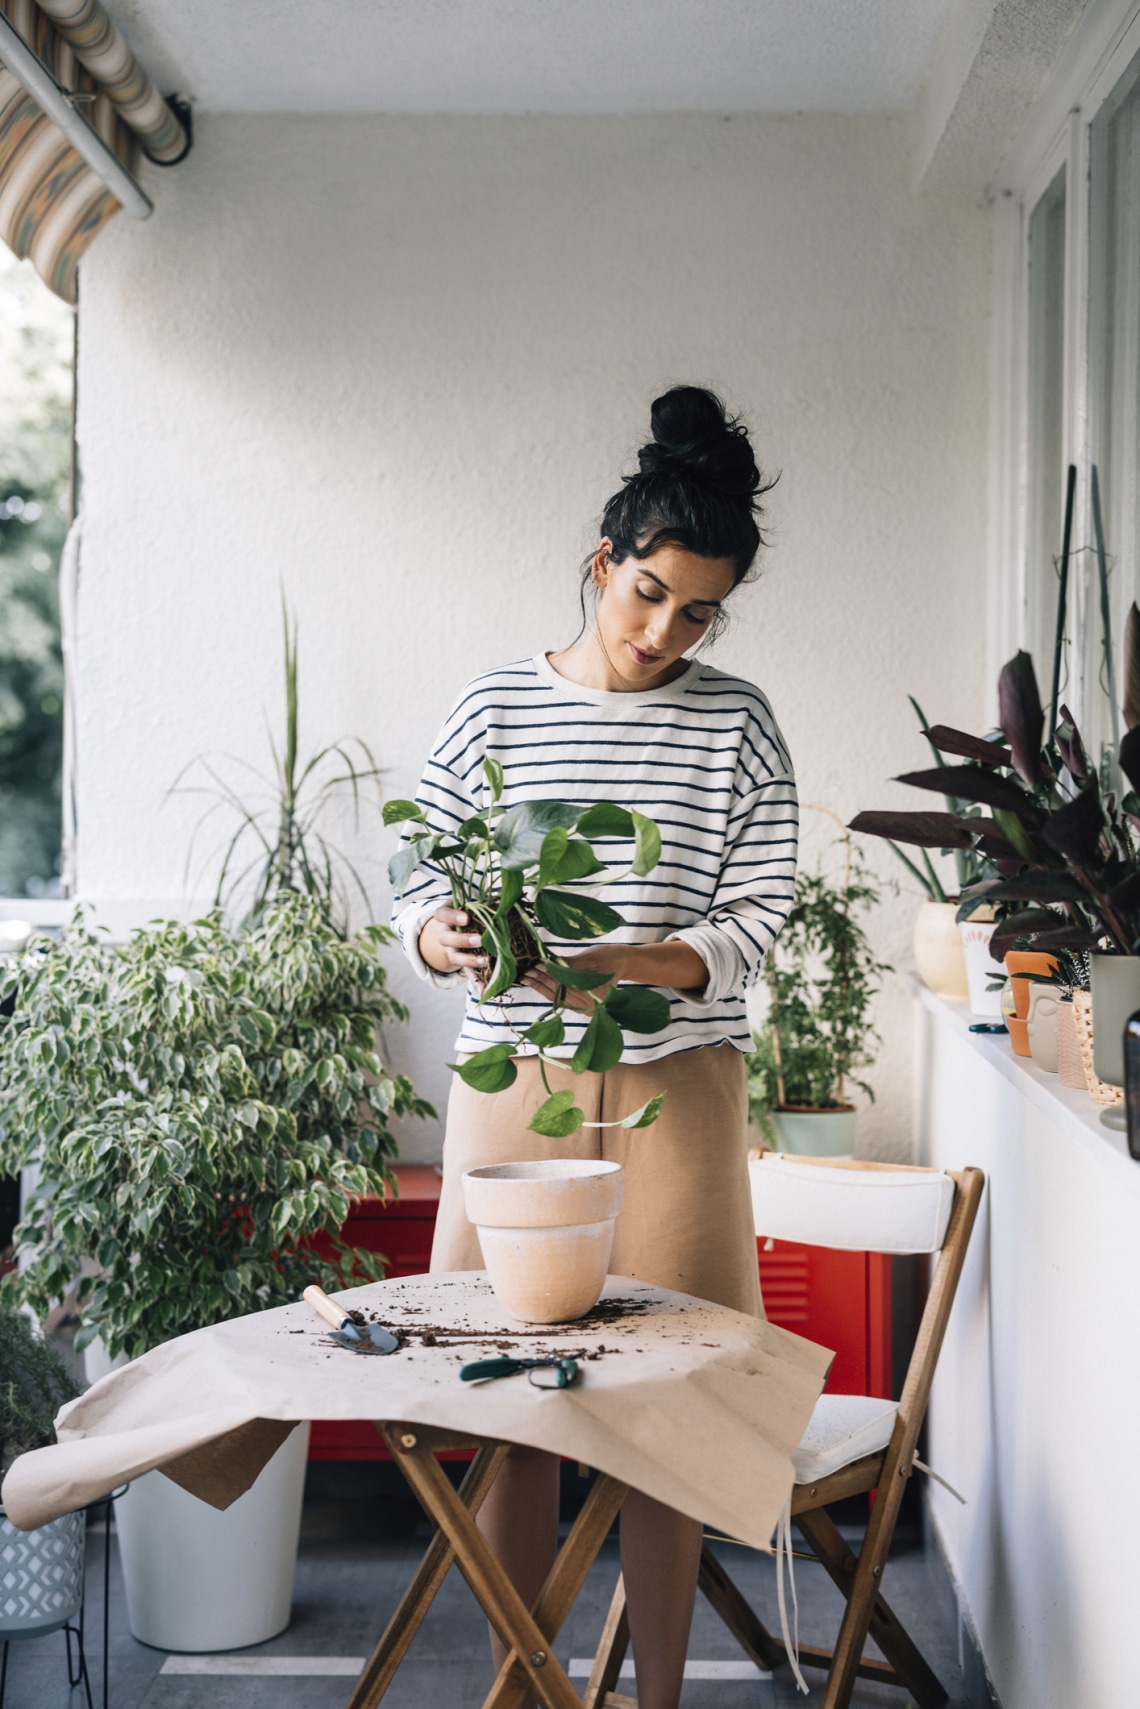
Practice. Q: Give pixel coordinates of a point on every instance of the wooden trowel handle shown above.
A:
(320, 1302)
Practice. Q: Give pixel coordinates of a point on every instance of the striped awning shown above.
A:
(53, 200)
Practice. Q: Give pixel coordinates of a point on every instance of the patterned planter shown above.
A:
(41, 1575)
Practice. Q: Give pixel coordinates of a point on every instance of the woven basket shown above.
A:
(1099, 1090)
(1070, 1062)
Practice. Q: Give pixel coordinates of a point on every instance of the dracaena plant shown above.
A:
(509, 868)
(1066, 852)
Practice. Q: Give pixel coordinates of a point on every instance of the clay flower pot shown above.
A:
(546, 1231)
(1019, 962)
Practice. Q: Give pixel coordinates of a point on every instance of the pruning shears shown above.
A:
(563, 1372)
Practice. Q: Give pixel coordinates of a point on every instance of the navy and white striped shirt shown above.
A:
(703, 757)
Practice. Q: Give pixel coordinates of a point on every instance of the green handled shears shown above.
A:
(563, 1372)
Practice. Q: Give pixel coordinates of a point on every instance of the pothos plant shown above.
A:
(509, 868)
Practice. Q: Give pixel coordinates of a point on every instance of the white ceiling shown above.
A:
(558, 56)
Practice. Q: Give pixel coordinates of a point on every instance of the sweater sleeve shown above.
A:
(753, 895)
(446, 796)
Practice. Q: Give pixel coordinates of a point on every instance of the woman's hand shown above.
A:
(450, 945)
(610, 958)
(673, 965)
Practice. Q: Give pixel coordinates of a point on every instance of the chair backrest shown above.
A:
(851, 1205)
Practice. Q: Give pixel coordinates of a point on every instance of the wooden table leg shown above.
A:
(557, 1596)
(610, 1653)
(429, 1575)
(493, 1590)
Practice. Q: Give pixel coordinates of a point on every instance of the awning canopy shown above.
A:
(76, 111)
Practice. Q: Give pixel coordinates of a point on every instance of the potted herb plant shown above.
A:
(1065, 848)
(41, 1571)
(201, 1103)
(520, 871)
(822, 978)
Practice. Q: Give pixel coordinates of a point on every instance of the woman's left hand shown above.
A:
(608, 958)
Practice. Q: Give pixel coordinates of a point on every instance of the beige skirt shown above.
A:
(686, 1222)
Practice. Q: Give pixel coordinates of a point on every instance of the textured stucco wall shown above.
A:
(396, 366)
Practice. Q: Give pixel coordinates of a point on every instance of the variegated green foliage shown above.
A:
(201, 1104)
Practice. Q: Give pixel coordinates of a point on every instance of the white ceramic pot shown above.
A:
(816, 1133)
(197, 1579)
(41, 1575)
(938, 952)
(1115, 997)
(1042, 1026)
(980, 967)
(546, 1231)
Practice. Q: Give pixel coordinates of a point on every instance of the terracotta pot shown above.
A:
(1115, 996)
(1021, 961)
(938, 953)
(546, 1231)
(1070, 1063)
(980, 966)
(805, 1132)
(1042, 1026)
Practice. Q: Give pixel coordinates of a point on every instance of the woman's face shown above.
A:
(653, 610)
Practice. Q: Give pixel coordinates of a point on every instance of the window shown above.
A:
(1045, 417)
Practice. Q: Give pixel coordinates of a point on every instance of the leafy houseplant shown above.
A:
(509, 868)
(201, 1104)
(34, 1384)
(822, 978)
(277, 845)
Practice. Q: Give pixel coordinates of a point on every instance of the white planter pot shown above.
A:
(41, 1575)
(546, 1231)
(1115, 997)
(938, 953)
(197, 1579)
(815, 1133)
(976, 935)
(1042, 1026)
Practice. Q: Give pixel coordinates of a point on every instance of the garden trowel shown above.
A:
(350, 1329)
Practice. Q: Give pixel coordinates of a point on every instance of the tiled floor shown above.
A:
(356, 1558)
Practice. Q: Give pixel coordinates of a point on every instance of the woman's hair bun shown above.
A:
(694, 438)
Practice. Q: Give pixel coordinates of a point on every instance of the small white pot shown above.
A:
(41, 1575)
(815, 1133)
(980, 967)
(1042, 1025)
(197, 1579)
(938, 953)
(546, 1231)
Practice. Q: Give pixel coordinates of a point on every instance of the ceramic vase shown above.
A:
(980, 967)
(546, 1231)
(1070, 1063)
(1018, 963)
(1041, 1025)
(938, 953)
(815, 1133)
(1115, 996)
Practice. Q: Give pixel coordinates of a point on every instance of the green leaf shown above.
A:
(578, 861)
(497, 938)
(570, 915)
(647, 849)
(647, 1114)
(606, 820)
(510, 893)
(548, 1034)
(395, 812)
(489, 1070)
(637, 1009)
(575, 978)
(558, 1117)
(522, 830)
(554, 846)
(601, 1045)
(405, 861)
(493, 772)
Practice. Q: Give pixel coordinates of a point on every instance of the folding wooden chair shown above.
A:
(854, 1443)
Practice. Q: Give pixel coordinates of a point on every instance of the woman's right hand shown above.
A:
(449, 944)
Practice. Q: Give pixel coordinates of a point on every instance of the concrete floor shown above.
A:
(355, 1559)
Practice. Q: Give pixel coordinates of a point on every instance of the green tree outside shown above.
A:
(35, 406)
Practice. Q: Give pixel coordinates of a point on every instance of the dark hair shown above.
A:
(697, 486)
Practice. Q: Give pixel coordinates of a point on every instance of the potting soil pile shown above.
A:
(699, 1406)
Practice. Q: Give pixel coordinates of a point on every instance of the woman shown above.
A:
(625, 715)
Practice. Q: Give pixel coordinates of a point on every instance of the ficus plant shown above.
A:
(202, 1105)
(1065, 850)
(509, 869)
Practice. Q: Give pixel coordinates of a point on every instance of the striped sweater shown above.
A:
(703, 757)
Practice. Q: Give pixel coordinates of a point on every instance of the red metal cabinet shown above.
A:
(841, 1299)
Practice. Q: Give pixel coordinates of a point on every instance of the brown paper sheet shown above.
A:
(699, 1406)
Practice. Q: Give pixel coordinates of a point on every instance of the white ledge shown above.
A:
(1071, 1111)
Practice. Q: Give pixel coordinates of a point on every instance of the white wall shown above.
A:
(1033, 1416)
(397, 364)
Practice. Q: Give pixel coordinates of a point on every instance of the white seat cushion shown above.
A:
(852, 1206)
(842, 1428)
